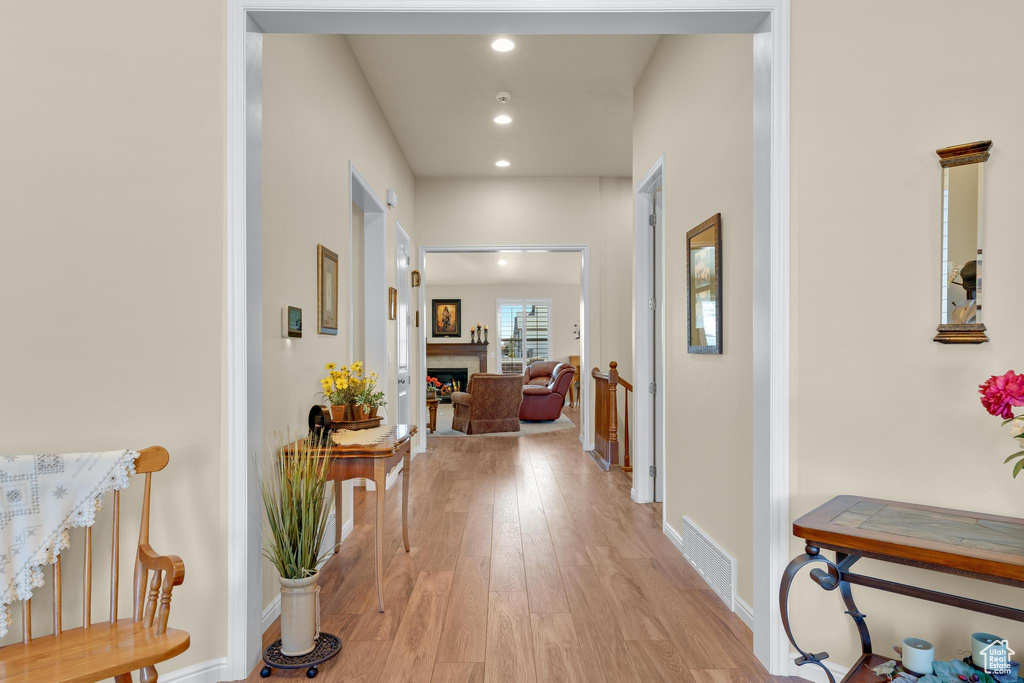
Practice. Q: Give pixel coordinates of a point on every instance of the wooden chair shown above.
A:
(116, 647)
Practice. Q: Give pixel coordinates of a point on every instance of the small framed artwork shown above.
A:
(447, 317)
(326, 290)
(704, 287)
(291, 322)
(392, 303)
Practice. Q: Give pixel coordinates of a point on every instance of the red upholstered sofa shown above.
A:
(545, 384)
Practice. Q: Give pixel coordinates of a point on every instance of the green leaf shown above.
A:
(1017, 468)
(1011, 457)
(1006, 422)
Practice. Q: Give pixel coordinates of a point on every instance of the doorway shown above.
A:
(649, 340)
(245, 22)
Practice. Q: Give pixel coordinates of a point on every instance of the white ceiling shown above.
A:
(571, 107)
(558, 268)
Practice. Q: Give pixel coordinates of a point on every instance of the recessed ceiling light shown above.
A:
(503, 119)
(502, 45)
(501, 163)
(502, 262)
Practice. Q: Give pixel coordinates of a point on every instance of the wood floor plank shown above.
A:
(658, 661)
(565, 538)
(443, 547)
(411, 657)
(506, 503)
(448, 672)
(633, 612)
(508, 570)
(360, 660)
(556, 649)
(543, 579)
(399, 580)
(604, 649)
(509, 642)
(476, 538)
(464, 635)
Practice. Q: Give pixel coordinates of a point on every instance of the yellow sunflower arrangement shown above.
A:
(349, 385)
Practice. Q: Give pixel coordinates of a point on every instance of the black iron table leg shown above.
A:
(829, 580)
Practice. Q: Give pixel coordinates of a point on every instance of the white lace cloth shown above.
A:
(41, 497)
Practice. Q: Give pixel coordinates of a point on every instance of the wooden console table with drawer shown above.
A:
(969, 544)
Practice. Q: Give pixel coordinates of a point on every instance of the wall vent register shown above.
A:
(714, 565)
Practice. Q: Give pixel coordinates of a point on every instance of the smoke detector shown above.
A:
(504, 97)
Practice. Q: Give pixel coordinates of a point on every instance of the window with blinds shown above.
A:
(524, 330)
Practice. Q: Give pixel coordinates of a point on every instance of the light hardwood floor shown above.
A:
(528, 564)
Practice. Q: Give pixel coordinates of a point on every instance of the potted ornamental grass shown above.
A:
(297, 507)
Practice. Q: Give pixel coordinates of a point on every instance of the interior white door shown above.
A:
(403, 325)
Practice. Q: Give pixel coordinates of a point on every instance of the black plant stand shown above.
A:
(327, 645)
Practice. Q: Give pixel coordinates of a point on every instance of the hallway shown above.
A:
(528, 563)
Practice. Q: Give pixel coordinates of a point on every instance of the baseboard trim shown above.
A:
(745, 612)
(741, 609)
(273, 609)
(813, 673)
(210, 671)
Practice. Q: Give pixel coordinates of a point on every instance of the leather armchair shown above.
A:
(490, 404)
(544, 394)
(540, 373)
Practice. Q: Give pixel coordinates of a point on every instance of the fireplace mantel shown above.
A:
(459, 349)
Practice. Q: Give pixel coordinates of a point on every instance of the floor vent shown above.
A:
(710, 561)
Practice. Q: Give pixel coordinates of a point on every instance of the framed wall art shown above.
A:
(447, 317)
(704, 287)
(326, 290)
(392, 303)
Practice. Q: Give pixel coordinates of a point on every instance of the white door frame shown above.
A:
(375, 272)
(404, 287)
(246, 20)
(646, 291)
(586, 430)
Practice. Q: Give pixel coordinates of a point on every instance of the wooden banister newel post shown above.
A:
(613, 380)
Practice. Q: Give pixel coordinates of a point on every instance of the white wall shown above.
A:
(694, 104)
(479, 305)
(111, 276)
(878, 408)
(318, 114)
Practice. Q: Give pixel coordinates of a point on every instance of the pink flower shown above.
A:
(999, 392)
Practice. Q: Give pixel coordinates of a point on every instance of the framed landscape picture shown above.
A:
(326, 290)
(447, 317)
(704, 287)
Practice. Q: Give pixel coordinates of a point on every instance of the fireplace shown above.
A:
(447, 375)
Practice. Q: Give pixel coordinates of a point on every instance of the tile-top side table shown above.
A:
(969, 544)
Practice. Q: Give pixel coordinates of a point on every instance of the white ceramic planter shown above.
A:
(298, 615)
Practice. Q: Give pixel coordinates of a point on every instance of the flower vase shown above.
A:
(359, 413)
(299, 615)
(373, 412)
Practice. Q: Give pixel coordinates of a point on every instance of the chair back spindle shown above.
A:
(26, 617)
(114, 556)
(87, 580)
(57, 575)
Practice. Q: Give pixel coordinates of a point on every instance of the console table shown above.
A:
(969, 544)
(372, 461)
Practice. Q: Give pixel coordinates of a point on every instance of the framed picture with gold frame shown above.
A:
(704, 287)
(392, 303)
(326, 290)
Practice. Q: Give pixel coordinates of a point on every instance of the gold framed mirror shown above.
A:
(960, 258)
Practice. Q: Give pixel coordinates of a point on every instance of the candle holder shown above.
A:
(479, 332)
(485, 335)
(472, 336)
